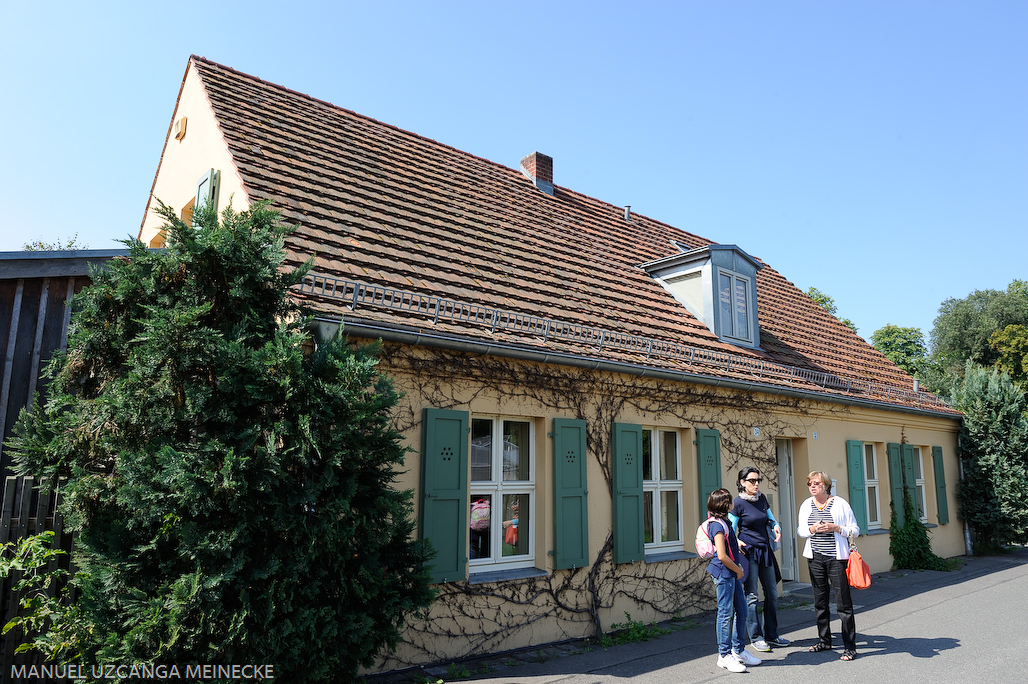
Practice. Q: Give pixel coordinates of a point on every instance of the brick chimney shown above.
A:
(539, 168)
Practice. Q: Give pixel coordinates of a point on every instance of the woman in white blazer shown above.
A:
(827, 522)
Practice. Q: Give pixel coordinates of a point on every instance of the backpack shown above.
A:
(480, 515)
(705, 541)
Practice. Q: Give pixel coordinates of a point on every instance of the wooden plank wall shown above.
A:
(27, 511)
(35, 293)
(34, 316)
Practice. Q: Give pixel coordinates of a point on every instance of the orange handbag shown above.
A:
(857, 571)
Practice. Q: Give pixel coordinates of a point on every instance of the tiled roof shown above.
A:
(381, 206)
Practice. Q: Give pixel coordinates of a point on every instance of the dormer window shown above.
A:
(733, 297)
(718, 285)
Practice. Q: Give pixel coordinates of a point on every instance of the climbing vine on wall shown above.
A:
(470, 618)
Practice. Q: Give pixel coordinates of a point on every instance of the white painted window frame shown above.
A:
(497, 487)
(658, 486)
(872, 484)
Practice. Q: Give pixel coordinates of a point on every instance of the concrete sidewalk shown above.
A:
(911, 626)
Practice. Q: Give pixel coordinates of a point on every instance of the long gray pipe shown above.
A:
(326, 328)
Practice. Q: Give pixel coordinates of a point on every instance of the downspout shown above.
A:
(968, 548)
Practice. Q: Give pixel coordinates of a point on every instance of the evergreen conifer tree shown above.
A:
(230, 483)
(993, 449)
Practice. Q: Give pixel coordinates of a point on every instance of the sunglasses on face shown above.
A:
(754, 480)
(815, 484)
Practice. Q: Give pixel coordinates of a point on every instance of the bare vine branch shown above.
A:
(467, 618)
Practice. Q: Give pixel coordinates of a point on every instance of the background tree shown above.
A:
(964, 327)
(903, 346)
(1011, 343)
(828, 304)
(993, 450)
(57, 246)
(230, 485)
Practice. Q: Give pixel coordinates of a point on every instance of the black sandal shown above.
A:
(819, 646)
(848, 654)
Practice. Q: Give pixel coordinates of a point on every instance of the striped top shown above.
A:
(822, 542)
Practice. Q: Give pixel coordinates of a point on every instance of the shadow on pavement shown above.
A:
(868, 646)
(696, 641)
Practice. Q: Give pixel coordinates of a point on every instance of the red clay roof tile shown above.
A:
(386, 207)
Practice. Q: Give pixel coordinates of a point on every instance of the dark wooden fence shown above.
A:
(35, 290)
(28, 511)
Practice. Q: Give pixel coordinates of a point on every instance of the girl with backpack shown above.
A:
(757, 528)
(727, 575)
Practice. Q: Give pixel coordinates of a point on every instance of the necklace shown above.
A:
(822, 506)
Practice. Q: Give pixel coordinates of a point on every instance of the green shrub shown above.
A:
(229, 482)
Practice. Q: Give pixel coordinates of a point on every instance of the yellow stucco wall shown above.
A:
(818, 434)
(185, 161)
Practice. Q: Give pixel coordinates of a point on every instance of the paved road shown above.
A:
(962, 626)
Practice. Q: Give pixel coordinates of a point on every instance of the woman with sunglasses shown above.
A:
(827, 522)
(751, 516)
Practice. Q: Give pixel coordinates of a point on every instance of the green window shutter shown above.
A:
(570, 495)
(855, 470)
(207, 190)
(940, 485)
(708, 447)
(896, 481)
(444, 491)
(628, 493)
(909, 483)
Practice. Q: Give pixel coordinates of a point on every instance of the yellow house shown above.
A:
(577, 377)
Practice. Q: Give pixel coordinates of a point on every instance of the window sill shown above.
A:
(505, 575)
(669, 556)
(886, 530)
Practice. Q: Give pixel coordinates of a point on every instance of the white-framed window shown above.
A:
(733, 293)
(871, 488)
(919, 493)
(662, 489)
(502, 493)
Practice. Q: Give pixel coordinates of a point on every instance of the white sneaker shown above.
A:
(730, 663)
(760, 645)
(746, 658)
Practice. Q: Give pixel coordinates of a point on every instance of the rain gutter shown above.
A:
(326, 328)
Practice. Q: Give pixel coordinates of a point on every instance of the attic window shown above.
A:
(207, 191)
(733, 300)
(718, 285)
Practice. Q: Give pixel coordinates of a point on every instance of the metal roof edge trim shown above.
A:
(366, 330)
(46, 264)
(357, 294)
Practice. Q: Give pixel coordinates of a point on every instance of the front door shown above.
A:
(786, 511)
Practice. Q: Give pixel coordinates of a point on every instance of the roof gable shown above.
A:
(188, 156)
(416, 220)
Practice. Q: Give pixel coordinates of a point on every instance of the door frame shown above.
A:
(785, 513)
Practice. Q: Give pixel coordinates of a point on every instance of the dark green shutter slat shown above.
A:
(708, 446)
(896, 481)
(570, 496)
(628, 493)
(940, 485)
(444, 491)
(909, 483)
(855, 470)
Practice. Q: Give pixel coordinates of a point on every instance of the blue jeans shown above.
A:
(763, 626)
(730, 600)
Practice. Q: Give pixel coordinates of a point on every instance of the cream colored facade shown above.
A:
(754, 431)
(186, 159)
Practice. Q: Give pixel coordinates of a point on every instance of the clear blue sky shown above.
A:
(875, 150)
